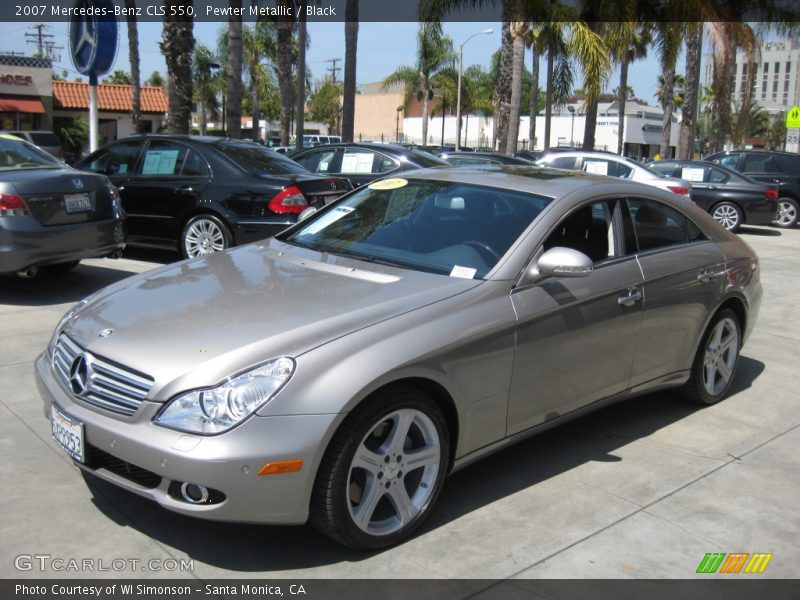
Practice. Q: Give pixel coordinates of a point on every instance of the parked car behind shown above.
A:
(778, 168)
(613, 165)
(52, 215)
(471, 159)
(339, 371)
(204, 194)
(731, 198)
(46, 140)
(363, 163)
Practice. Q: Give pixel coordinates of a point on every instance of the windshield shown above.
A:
(258, 160)
(651, 170)
(454, 229)
(16, 154)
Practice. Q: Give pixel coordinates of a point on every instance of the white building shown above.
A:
(776, 86)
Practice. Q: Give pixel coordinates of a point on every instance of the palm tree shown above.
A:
(502, 94)
(258, 43)
(591, 51)
(629, 42)
(133, 54)
(688, 128)
(233, 71)
(302, 31)
(177, 46)
(750, 120)
(203, 67)
(668, 42)
(519, 32)
(536, 42)
(678, 97)
(434, 52)
(286, 25)
(350, 50)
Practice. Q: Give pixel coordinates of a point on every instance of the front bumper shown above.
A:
(24, 242)
(228, 462)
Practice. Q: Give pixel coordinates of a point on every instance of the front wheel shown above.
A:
(383, 470)
(716, 360)
(204, 234)
(728, 215)
(787, 213)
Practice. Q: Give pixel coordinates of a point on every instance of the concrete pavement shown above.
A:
(642, 489)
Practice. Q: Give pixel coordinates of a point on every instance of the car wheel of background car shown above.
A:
(382, 471)
(728, 215)
(717, 358)
(202, 235)
(787, 213)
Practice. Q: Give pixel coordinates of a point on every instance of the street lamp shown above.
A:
(460, 71)
(571, 110)
(397, 125)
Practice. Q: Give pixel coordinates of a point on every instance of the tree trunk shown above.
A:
(301, 81)
(444, 109)
(548, 103)
(590, 120)
(722, 95)
(350, 50)
(669, 105)
(688, 127)
(425, 90)
(233, 88)
(622, 96)
(518, 58)
(201, 108)
(504, 80)
(285, 26)
(133, 53)
(256, 106)
(177, 47)
(533, 107)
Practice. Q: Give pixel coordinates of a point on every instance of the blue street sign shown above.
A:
(93, 37)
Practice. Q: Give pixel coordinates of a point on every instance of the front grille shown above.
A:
(99, 459)
(107, 385)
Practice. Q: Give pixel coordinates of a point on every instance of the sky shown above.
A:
(381, 48)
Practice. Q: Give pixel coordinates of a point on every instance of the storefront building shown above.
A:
(26, 96)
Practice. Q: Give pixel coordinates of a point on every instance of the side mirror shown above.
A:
(562, 262)
(306, 213)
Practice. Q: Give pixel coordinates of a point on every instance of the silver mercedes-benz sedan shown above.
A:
(339, 371)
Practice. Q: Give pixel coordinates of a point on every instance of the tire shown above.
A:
(787, 213)
(728, 215)
(204, 234)
(368, 494)
(714, 367)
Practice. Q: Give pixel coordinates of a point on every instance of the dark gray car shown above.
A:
(338, 372)
(51, 214)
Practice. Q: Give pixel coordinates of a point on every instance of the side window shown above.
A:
(119, 159)
(323, 161)
(728, 161)
(758, 163)
(196, 165)
(718, 176)
(606, 167)
(659, 226)
(563, 162)
(383, 164)
(357, 161)
(163, 158)
(588, 229)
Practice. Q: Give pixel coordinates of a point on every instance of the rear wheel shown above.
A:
(728, 215)
(383, 470)
(204, 234)
(717, 358)
(787, 213)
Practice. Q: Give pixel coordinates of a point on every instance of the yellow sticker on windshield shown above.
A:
(389, 184)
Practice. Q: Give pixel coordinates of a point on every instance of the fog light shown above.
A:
(193, 493)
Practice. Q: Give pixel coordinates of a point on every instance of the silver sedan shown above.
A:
(338, 372)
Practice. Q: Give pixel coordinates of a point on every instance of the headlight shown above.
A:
(51, 347)
(218, 409)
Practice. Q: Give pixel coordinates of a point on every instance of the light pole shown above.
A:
(571, 110)
(460, 71)
(397, 125)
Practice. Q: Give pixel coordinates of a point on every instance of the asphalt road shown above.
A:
(642, 489)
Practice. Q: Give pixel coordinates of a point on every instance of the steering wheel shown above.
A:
(484, 249)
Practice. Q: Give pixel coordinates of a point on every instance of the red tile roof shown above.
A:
(71, 94)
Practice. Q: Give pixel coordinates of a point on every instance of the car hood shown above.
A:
(197, 322)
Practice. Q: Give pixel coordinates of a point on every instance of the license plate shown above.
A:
(77, 202)
(68, 433)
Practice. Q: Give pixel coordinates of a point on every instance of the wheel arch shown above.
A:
(738, 304)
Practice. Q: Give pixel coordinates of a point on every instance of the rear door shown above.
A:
(168, 184)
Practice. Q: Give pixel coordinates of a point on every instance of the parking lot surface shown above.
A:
(642, 489)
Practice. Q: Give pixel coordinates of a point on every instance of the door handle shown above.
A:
(121, 188)
(630, 297)
(184, 189)
(705, 276)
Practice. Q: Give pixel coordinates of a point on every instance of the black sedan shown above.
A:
(363, 163)
(731, 198)
(469, 159)
(52, 215)
(207, 193)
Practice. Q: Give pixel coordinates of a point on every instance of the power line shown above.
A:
(44, 42)
(333, 68)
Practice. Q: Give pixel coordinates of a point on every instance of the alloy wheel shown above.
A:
(787, 213)
(720, 357)
(203, 236)
(727, 216)
(393, 472)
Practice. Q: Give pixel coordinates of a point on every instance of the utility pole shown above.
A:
(45, 46)
(333, 69)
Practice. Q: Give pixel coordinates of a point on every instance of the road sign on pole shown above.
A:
(793, 139)
(793, 117)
